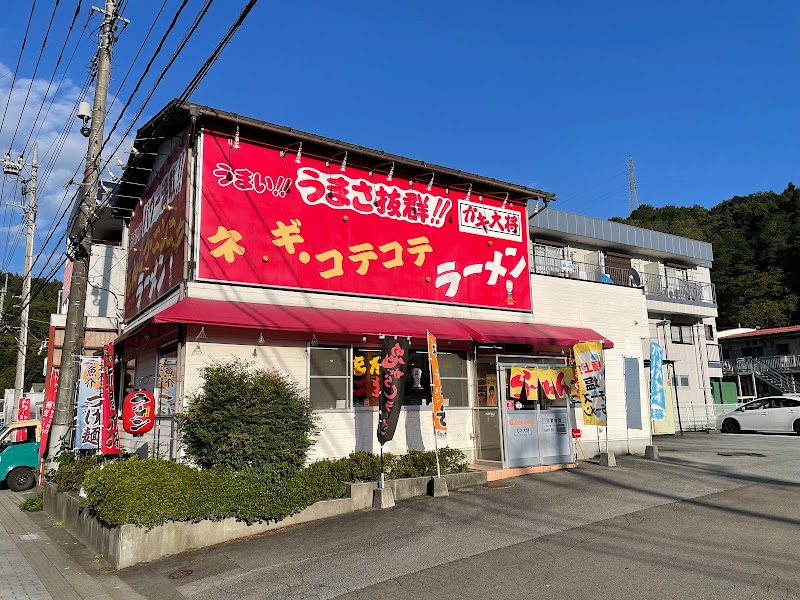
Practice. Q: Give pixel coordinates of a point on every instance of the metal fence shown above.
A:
(676, 287)
(656, 285)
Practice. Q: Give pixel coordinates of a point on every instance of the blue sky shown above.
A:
(552, 95)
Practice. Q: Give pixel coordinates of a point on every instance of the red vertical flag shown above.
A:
(23, 414)
(48, 410)
(109, 432)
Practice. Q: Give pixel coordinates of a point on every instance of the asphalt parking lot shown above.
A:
(717, 516)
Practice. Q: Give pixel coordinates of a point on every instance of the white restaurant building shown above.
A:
(297, 252)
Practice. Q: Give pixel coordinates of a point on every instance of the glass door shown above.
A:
(486, 415)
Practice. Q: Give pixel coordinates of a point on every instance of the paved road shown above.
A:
(693, 525)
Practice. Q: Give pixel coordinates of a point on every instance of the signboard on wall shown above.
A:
(156, 247)
(269, 220)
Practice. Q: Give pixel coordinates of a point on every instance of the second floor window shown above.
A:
(681, 334)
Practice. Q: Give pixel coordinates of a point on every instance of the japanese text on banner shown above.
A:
(394, 365)
(658, 403)
(591, 381)
(439, 422)
(90, 404)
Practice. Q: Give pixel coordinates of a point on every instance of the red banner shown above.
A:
(273, 221)
(48, 410)
(109, 431)
(156, 250)
(394, 365)
(23, 414)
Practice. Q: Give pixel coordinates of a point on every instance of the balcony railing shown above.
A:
(571, 269)
(784, 363)
(655, 285)
(678, 288)
(713, 353)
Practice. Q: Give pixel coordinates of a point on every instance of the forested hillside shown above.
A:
(44, 303)
(756, 253)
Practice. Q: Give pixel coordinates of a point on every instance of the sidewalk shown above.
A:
(38, 562)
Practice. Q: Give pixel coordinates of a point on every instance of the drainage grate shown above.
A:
(180, 574)
(741, 454)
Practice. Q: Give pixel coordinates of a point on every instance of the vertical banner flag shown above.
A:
(23, 414)
(591, 381)
(48, 410)
(657, 402)
(394, 353)
(439, 423)
(90, 404)
(167, 385)
(109, 436)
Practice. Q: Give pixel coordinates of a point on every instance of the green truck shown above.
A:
(19, 454)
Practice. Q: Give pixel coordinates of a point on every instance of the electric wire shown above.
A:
(53, 76)
(190, 88)
(35, 70)
(16, 69)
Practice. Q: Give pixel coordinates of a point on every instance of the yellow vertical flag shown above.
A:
(439, 423)
(590, 372)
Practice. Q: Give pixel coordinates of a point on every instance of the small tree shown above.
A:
(246, 418)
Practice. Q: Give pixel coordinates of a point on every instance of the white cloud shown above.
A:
(62, 164)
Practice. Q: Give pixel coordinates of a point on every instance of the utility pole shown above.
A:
(30, 215)
(633, 193)
(81, 237)
(3, 298)
(14, 168)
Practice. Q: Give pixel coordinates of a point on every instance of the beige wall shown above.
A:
(617, 313)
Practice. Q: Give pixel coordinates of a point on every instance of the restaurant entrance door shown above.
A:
(534, 412)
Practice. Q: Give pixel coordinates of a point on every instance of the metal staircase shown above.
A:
(773, 377)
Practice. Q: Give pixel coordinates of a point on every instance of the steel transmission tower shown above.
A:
(633, 195)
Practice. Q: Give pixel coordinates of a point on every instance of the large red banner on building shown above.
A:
(156, 247)
(266, 219)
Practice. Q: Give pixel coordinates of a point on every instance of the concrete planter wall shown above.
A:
(129, 545)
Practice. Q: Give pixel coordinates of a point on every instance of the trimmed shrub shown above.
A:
(70, 474)
(246, 418)
(152, 491)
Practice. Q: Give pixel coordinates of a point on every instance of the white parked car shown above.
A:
(775, 414)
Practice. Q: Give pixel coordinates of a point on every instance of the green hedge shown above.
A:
(151, 492)
(70, 474)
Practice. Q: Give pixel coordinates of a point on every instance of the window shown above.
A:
(681, 381)
(337, 381)
(329, 378)
(547, 259)
(759, 405)
(786, 403)
(782, 348)
(681, 334)
(709, 332)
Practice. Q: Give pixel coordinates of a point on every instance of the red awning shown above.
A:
(351, 322)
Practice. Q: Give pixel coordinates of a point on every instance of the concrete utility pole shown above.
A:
(30, 215)
(81, 236)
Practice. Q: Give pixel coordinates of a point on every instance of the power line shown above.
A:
(55, 70)
(141, 47)
(188, 90)
(35, 70)
(16, 69)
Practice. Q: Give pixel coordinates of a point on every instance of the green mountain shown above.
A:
(44, 303)
(756, 252)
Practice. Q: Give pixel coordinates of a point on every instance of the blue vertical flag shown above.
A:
(657, 402)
